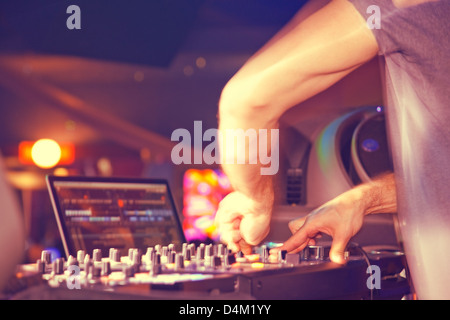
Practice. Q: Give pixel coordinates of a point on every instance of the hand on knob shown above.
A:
(341, 218)
(242, 222)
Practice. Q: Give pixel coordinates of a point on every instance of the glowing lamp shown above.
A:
(46, 153)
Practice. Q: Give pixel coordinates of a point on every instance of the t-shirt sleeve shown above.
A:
(385, 30)
(410, 31)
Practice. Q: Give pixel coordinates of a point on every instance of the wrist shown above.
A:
(263, 195)
(257, 189)
(378, 196)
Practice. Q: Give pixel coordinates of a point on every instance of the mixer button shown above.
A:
(228, 260)
(95, 272)
(88, 265)
(128, 271)
(80, 255)
(200, 254)
(46, 257)
(58, 266)
(171, 257)
(149, 255)
(86, 261)
(40, 266)
(315, 253)
(72, 261)
(97, 255)
(216, 261)
(221, 250)
(281, 256)
(186, 252)
(136, 257)
(264, 255)
(179, 261)
(155, 266)
(115, 255)
(106, 268)
(293, 258)
(209, 251)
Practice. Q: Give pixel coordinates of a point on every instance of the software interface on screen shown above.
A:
(103, 215)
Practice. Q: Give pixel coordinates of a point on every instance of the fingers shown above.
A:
(305, 232)
(230, 234)
(245, 247)
(239, 223)
(235, 242)
(296, 224)
(297, 242)
(229, 222)
(300, 240)
(338, 248)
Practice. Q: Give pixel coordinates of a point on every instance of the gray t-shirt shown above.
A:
(414, 45)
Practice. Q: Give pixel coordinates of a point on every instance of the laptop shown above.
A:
(121, 213)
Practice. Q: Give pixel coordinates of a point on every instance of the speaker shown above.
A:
(351, 149)
(370, 154)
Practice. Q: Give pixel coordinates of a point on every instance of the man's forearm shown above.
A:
(246, 176)
(379, 195)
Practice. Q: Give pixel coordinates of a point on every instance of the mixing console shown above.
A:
(212, 270)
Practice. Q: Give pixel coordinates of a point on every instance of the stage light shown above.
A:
(32, 151)
(46, 153)
(200, 62)
(62, 172)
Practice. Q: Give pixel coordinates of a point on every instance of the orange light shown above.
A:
(46, 153)
(67, 153)
(257, 265)
(61, 172)
(252, 257)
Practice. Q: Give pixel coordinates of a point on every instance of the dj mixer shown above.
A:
(123, 239)
(211, 271)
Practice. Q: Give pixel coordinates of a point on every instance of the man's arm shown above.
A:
(305, 58)
(308, 57)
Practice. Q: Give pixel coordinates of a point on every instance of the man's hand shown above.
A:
(242, 222)
(342, 217)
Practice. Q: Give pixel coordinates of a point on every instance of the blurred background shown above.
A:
(111, 93)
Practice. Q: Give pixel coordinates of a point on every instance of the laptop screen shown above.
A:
(103, 213)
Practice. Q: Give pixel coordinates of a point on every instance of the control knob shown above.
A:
(97, 255)
(316, 252)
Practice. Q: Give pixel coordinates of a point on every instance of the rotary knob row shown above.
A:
(45, 263)
(209, 256)
(310, 253)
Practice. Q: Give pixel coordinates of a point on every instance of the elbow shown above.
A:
(241, 102)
